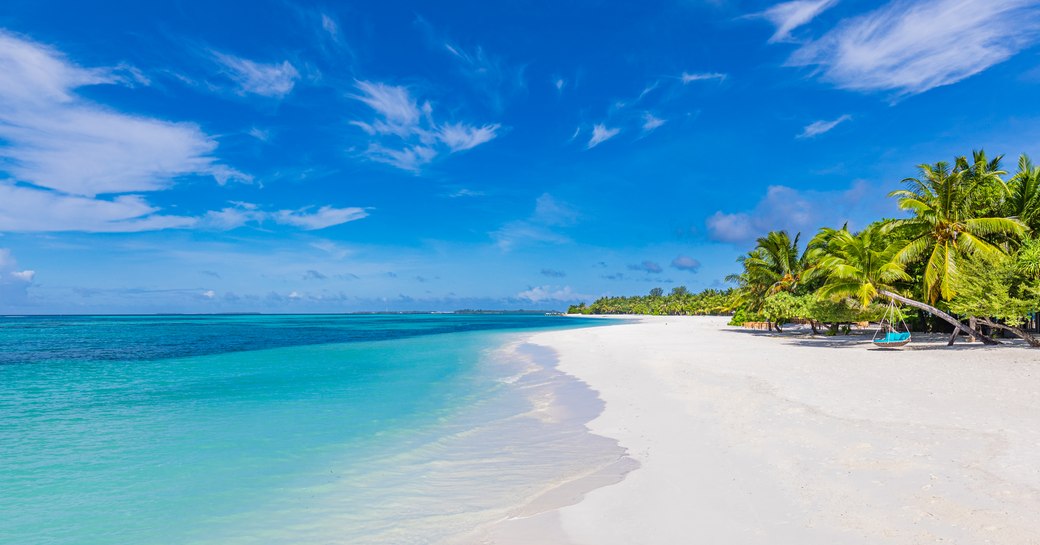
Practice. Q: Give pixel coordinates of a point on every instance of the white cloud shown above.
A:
(88, 151)
(14, 284)
(32, 74)
(651, 122)
(241, 214)
(600, 134)
(788, 16)
(465, 192)
(260, 134)
(56, 140)
(803, 211)
(24, 276)
(649, 89)
(209, 294)
(405, 133)
(25, 209)
(232, 217)
(411, 158)
(819, 127)
(392, 102)
(538, 294)
(459, 137)
(61, 151)
(539, 228)
(911, 46)
(559, 83)
(274, 80)
(550, 211)
(732, 227)
(326, 216)
(335, 250)
(330, 26)
(688, 77)
(515, 233)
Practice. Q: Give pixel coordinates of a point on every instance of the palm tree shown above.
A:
(1024, 189)
(775, 263)
(945, 226)
(865, 266)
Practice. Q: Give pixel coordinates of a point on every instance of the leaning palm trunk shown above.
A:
(1018, 332)
(936, 312)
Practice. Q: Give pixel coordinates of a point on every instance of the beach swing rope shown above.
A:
(892, 337)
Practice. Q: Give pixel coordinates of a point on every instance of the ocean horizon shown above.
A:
(371, 428)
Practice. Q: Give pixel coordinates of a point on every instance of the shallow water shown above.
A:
(281, 429)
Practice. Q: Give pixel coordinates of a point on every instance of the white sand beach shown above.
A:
(747, 437)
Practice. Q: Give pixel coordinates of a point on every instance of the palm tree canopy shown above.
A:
(946, 226)
(859, 265)
(1024, 188)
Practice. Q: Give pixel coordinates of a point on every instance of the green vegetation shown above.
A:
(679, 302)
(967, 253)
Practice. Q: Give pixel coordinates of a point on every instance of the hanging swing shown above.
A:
(892, 338)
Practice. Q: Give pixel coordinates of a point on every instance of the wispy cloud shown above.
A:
(601, 133)
(307, 218)
(407, 136)
(61, 151)
(260, 134)
(495, 79)
(651, 122)
(464, 192)
(492, 75)
(25, 209)
(335, 250)
(540, 227)
(788, 16)
(459, 137)
(553, 273)
(911, 46)
(54, 139)
(275, 80)
(819, 127)
(688, 77)
(328, 24)
(325, 216)
(394, 103)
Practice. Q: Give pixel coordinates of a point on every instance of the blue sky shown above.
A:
(322, 157)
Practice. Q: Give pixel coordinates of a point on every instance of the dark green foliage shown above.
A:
(679, 302)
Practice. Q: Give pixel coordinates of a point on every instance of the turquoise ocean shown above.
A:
(282, 429)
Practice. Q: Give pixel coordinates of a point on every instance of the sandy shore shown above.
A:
(743, 437)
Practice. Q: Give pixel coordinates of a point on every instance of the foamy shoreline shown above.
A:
(743, 437)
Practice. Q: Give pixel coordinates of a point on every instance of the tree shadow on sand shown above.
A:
(861, 339)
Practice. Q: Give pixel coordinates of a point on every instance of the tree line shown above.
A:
(967, 254)
(679, 302)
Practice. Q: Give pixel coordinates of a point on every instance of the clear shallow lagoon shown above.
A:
(281, 429)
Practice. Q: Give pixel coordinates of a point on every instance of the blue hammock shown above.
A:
(892, 338)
